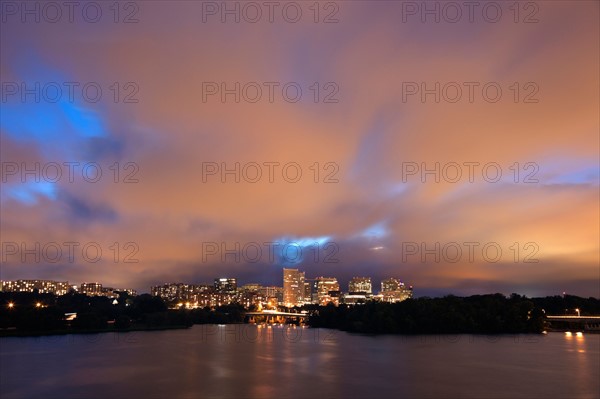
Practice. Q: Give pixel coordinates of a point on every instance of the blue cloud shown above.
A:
(38, 109)
(378, 230)
(29, 193)
(586, 175)
(81, 210)
(292, 251)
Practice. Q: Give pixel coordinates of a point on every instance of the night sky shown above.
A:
(353, 119)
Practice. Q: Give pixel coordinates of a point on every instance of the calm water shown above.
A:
(281, 362)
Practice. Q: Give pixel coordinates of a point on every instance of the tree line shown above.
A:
(24, 313)
(478, 314)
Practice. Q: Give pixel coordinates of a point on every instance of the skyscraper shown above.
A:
(293, 287)
(307, 291)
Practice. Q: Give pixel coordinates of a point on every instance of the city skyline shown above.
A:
(296, 290)
(7, 285)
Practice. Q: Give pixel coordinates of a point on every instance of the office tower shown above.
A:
(293, 287)
(360, 285)
(226, 285)
(328, 290)
(394, 290)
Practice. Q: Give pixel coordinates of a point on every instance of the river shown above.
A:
(248, 361)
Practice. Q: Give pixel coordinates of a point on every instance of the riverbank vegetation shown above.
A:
(478, 314)
(24, 313)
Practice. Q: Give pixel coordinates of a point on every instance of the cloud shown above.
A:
(352, 153)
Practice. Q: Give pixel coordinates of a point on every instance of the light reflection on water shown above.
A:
(245, 361)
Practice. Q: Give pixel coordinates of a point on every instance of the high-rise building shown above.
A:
(314, 291)
(307, 291)
(272, 292)
(226, 285)
(390, 284)
(328, 290)
(293, 287)
(200, 293)
(394, 290)
(360, 285)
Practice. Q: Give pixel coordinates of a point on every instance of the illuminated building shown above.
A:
(114, 292)
(314, 291)
(249, 298)
(360, 285)
(226, 285)
(355, 298)
(328, 291)
(128, 291)
(307, 292)
(42, 286)
(393, 290)
(293, 287)
(272, 292)
(201, 293)
(252, 287)
(109, 292)
(91, 289)
(61, 288)
(169, 291)
(390, 284)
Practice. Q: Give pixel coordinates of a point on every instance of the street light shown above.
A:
(578, 313)
(11, 305)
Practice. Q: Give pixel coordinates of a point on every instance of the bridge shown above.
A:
(273, 316)
(574, 323)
